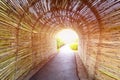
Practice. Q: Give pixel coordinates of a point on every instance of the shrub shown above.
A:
(60, 43)
(74, 46)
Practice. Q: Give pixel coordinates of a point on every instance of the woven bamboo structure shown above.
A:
(28, 28)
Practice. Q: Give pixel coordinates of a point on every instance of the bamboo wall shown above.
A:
(22, 48)
(100, 51)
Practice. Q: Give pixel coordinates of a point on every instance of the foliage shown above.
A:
(60, 43)
(74, 46)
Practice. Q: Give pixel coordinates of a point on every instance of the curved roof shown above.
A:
(53, 15)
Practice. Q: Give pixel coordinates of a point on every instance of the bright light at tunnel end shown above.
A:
(67, 35)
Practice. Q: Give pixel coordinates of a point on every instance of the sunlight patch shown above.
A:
(67, 36)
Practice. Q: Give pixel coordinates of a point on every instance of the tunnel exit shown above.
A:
(67, 40)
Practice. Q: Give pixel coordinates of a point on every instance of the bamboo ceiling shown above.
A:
(60, 13)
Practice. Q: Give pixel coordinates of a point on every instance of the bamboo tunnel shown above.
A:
(28, 28)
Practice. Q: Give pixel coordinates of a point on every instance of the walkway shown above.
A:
(62, 67)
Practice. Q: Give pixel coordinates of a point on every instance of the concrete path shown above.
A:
(61, 67)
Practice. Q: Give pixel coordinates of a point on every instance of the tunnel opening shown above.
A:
(67, 39)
